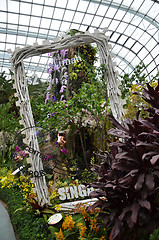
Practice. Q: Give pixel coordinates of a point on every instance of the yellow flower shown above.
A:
(57, 207)
(54, 194)
(68, 223)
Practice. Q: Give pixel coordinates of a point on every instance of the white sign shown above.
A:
(74, 192)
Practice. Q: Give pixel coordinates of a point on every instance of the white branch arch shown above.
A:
(23, 95)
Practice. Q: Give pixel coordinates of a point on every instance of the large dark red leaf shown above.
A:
(125, 210)
(129, 221)
(122, 166)
(119, 133)
(135, 211)
(139, 182)
(156, 173)
(145, 204)
(113, 214)
(117, 124)
(151, 153)
(154, 159)
(149, 179)
(144, 192)
(106, 219)
(99, 203)
(148, 124)
(116, 228)
(97, 193)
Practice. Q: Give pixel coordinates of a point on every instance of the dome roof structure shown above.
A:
(133, 29)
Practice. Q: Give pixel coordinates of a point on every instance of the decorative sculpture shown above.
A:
(24, 101)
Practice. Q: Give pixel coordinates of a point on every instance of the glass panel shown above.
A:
(13, 6)
(35, 21)
(45, 23)
(68, 15)
(78, 17)
(12, 18)
(3, 5)
(72, 4)
(47, 12)
(25, 8)
(61, 4)
(37, 10)
(58, 13)
(87, 19)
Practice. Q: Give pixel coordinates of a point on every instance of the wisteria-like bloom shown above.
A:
(65, 75)
(47, 97)
(57, 68)
(53, 98)
(64, 52)
(17, 148)
(62, 88)
(62, 96)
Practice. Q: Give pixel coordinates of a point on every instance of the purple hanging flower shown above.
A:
(53, 98)
(47, 97)
(62, 96)
(57, 67)
(65, 75)
(64, 52)
(62, 88)
(64, 150)
(17, 148)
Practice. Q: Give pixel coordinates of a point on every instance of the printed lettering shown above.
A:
(62, 195)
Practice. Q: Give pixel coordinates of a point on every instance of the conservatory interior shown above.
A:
(79, 120)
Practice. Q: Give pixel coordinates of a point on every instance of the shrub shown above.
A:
(127, 189)
(27, 225)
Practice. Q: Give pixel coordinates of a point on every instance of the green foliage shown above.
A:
(6, 89)
(131, 84)
(9, 123)
(37, 96)
(26, 225)
(155, 235)
(9, 126)
(138, 76)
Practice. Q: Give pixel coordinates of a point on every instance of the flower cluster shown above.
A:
(59, 235)
(19, 154)
(68, 223)
(23, 183)
(58, 57)
(54, 194)
(81, 228)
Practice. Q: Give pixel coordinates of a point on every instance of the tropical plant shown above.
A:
(131, 81)
(79, 224)
(6, 89)
(127, 189)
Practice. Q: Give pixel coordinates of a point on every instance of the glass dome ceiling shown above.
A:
(133, 28)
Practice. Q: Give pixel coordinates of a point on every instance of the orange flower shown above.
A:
(60, 235)
(93, 224)
(68, 222)
(82, 229)
(102, 238)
